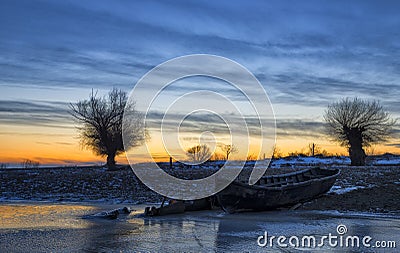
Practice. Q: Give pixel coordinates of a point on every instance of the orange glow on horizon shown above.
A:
(48, 145)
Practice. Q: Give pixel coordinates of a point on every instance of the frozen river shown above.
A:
(49, 227)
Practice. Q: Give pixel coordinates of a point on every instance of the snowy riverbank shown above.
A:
(372, 188)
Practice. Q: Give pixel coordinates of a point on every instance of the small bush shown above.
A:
(29, 164)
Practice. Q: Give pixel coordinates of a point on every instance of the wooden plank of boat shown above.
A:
(179, 206)
(275, 191)
(172, 208)
(113, 214)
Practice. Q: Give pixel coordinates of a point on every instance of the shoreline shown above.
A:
(373, 189)
(106, 206)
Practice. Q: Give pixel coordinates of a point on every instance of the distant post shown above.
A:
(313, 149)
(170, 162)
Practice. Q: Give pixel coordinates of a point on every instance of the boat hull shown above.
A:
(240, 196)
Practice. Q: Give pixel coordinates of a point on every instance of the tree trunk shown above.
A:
(111, 161)
(357, 156)
(356, 151)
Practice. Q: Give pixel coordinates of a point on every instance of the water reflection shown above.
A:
(61, 228)
(23, 216)
(178, 233)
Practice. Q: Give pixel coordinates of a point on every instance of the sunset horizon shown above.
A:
(199, 126)
(52, 60)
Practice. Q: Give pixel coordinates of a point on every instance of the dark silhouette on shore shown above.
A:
(357, 124)
(101, 120)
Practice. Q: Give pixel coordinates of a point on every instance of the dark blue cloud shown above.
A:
(98, 44)
(305, 53)
(35, 113)
(396, 145)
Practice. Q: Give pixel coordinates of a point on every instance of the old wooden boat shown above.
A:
(271, 192)
(179, 206)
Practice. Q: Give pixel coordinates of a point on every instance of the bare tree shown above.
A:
(228, 149)
(370, 151)
(217, 156)
(251, 157)
(101, 118)
(29, 164)
(313, 149)
(277, 153)
(357, 124)
(199, 153)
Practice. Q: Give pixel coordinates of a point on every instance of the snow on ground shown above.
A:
(304, 161)
(342, 190)
(334, 160)
(393, 161)
(100, 185)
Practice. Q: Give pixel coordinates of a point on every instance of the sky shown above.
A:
(306, 55)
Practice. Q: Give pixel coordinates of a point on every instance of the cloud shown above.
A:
(198, 123)
(396, 145)
(52, 143)
(288, 128)
(34, 113)
(304, 53)
(201, 122)
(317, 91)
(298, 49)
